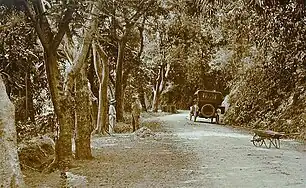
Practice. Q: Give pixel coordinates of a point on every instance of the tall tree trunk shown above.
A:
(98, 71)
(30, 112)
(104, 84)
(157, 89)
(156, 96)
(124, 84)
(10, 175)
(102, 72)
(140, 88)
(100, 127)
(118, 86)
(61, 100)
(121, 48)
(83, 101)
(160, 85)
(142, 99)
(83, 114)
(62, 107)
(95, 94)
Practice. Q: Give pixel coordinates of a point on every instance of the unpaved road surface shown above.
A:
(185, 154)
(226, 158)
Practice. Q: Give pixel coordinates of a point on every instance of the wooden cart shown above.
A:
(267, 137)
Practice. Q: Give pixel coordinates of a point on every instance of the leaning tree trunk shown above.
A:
(83, 120)
(125, 77)
(10, 173)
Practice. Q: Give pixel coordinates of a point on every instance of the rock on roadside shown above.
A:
(143, 132)
(36, 153)
(10, 173)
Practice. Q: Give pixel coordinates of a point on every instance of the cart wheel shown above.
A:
(267, 143)
(257, 141)
(276, 143)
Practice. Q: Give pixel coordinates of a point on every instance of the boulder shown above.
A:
(36, 153)
(143, 132)
(10, 173)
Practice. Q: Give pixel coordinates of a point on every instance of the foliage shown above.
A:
(269, 63)
(22, 65)
(187, 42)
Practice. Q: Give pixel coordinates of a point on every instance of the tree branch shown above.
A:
(102, 53)
(62, 28)
(80, 59)
(95, 62)
(36, 25)
(141, 28)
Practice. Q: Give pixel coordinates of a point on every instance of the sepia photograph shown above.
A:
(153, 93)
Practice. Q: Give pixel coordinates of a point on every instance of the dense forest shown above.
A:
(62, 62)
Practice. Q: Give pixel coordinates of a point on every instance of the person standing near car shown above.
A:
(136, 109)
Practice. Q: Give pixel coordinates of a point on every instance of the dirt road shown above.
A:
(186, 154)
(226, 158)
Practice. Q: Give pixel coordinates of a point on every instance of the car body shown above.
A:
(207, 104)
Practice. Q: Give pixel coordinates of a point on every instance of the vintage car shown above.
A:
(207, 104)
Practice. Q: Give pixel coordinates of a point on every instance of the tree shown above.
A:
(180, 47)
(101, 65)
(61, 94)
(82, 96)
(124, 17)
(83, 115)
(61, 100)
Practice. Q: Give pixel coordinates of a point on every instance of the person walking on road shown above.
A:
(136, 109)
(112, 116)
